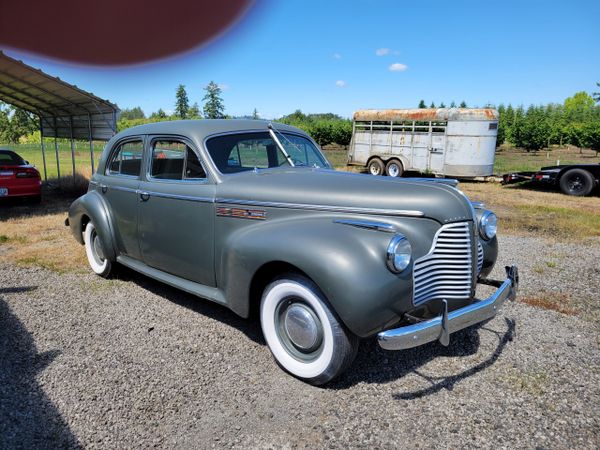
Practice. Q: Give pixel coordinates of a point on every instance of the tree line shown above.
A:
(575, 122)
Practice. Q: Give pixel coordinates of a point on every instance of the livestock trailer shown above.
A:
(452, 142)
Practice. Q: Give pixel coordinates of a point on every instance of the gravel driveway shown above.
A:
(133, 363)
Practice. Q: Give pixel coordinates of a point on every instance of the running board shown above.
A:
(200, 290)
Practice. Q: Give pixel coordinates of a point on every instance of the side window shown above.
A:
(174, 160)
(127, 159)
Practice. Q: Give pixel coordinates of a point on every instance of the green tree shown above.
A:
(452, 104)
(132, 114)
(579, 107)
(194, 112)
(182, 104)
(255, 115)
(432, 105)
(160, 114)
(442, 105)
(592, 136)
(422, 104)
(596, 95)
(463, 104)
(535, 130)
(501, 136)
(213, 106)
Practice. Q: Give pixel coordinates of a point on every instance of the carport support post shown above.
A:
(72, 146)
(91, 143)
(56, 150)
(43, 149)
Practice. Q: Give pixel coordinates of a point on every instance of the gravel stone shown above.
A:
(129, 362)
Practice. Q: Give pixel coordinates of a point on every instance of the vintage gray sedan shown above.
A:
(251, 215)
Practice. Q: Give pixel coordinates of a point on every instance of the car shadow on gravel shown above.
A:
(251, 328)
(375, 365)
(28, 419)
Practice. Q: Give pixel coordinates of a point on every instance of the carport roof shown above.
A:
(65, 110)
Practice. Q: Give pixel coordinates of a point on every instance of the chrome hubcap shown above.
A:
(97, 247)
(393, 170)
(301, 327)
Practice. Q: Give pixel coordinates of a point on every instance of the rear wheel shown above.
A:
(394, 168)
(577, 182)
(303, 333)
(376, 167)
(95, 251)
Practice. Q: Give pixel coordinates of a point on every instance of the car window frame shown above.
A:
(115, 148)
(151, 139)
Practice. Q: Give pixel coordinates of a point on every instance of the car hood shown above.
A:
(324, 189)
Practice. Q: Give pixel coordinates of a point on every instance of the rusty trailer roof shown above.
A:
(426, 114)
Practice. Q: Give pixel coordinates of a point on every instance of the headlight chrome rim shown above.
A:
(488, 225)
(398, 262)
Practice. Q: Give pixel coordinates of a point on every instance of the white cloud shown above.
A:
(340, 83)
(397, 67)
(382, 51)
(224, 87)
(337, 56)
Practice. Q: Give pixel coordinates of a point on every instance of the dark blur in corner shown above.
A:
(115, 32)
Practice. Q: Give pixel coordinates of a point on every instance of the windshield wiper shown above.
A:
(272, 131)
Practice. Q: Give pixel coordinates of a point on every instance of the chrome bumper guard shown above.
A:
(440, 328)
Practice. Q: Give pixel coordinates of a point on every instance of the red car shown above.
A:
(18, 178)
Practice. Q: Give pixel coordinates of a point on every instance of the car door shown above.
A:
(118, 185)
(176, 211)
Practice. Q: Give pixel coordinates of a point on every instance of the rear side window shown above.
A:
(175, 160)
(127, 159)
(11, 159)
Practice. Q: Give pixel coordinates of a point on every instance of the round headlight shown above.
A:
(488, 225)
(399, 253)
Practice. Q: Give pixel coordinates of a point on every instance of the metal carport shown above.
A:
(64, 110)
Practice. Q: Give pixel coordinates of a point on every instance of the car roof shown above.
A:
(200, 129)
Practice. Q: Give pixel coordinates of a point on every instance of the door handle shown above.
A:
(144, 196)
(103, 188)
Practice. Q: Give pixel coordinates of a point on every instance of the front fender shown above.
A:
(347, 263)
(93, 206)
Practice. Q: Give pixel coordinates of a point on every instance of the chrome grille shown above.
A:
(447, 270)
(479, 257)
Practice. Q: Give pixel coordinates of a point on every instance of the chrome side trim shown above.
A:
(189, 198)
(447, 181)
(369, 225)
(440, 328)
(124, 189)
(343, 209)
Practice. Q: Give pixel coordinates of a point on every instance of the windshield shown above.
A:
(234, 153)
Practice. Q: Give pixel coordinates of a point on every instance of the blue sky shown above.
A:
(322, 56)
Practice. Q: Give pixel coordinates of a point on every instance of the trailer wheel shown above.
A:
(394, 168)
(376, 167)
(577, 182)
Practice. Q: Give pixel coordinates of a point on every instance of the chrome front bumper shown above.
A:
(440, 328)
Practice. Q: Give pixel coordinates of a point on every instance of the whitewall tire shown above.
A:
(94, 251)
(303, 333)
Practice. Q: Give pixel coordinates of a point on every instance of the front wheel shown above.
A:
(303, 333)
(577, 182)
(95, 252)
